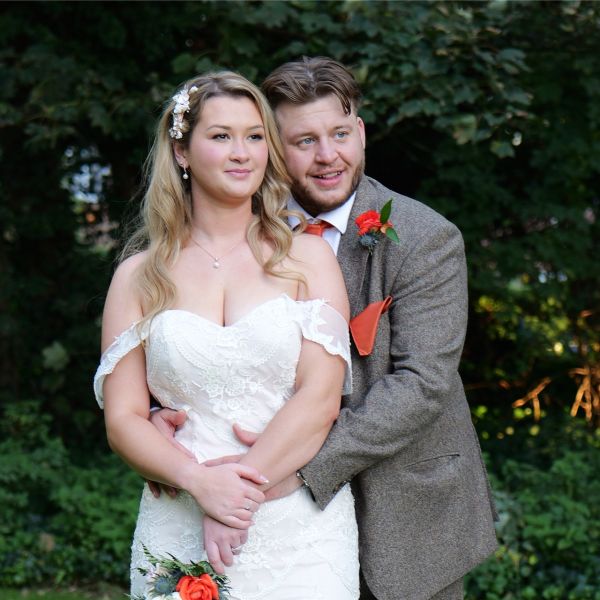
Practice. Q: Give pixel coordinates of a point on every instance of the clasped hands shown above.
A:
(227, 515)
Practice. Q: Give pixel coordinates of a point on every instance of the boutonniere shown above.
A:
(372, 225)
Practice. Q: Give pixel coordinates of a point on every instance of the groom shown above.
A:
(404, 437)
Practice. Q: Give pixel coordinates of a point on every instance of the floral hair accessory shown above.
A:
(182, 105)
(372, 225)
(170, 579)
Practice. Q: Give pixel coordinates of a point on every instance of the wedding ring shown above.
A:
(236, 550)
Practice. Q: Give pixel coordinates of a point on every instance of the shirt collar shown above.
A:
(338, 217)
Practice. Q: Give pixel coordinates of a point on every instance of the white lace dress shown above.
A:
(243, 373)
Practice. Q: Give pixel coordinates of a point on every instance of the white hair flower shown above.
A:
(182, 105)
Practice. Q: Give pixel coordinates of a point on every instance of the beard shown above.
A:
(314, 205)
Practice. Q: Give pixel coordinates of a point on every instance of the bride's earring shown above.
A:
(185, 174)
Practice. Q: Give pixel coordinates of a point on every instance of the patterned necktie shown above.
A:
(317, 228)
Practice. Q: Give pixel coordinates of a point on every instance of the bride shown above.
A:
(219, 310)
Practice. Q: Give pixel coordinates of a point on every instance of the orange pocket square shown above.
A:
(363, 326)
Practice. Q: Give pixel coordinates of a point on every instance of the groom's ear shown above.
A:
(362, 132)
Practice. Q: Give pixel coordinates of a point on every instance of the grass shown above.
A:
(101, 592)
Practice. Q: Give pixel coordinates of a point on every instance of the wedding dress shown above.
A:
(242, 373)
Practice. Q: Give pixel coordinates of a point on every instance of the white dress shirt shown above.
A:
(338, 217)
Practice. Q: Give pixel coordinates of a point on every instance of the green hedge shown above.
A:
(549, 530)
(61, 520)
(549, 515)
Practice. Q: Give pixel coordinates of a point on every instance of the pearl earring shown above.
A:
(185, 174)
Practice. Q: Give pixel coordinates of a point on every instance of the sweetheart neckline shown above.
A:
(246, 315)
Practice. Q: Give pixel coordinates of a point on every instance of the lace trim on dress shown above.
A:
(123, 344)
(324, 325)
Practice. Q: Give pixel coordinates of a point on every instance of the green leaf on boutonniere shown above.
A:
(386, 211)
(391, 233)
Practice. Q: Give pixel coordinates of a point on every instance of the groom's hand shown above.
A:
(283, 488)
(222, 460)
(247, 438)
(167, 422)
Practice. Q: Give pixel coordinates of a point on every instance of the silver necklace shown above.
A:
(216, 263)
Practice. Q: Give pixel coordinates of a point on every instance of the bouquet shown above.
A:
(171, 579)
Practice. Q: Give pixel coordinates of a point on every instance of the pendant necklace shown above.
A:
(216, 264)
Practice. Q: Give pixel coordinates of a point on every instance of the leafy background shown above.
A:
(487, 111)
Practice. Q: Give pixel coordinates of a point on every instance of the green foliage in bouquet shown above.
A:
(169, 575)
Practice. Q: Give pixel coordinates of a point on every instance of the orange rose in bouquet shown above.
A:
(197, 588)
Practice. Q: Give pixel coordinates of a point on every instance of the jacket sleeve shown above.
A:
(428, 320)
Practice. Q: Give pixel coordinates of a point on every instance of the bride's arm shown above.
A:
(300, 427)
(220, 491)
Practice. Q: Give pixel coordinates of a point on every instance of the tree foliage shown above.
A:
(487, 111)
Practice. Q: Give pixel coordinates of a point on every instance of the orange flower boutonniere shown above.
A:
(372, 225)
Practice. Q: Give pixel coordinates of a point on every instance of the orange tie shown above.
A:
(317, 228)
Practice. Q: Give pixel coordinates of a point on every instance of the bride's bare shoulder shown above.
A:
(129, 266)
(313, 257)
(311, 249)
(123, 301)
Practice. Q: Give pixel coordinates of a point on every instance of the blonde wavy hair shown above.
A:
(166, 211)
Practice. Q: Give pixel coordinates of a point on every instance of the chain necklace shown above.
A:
(216, 263)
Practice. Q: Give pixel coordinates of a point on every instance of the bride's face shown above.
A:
(227, 153)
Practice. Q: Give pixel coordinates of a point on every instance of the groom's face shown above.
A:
(324, 150)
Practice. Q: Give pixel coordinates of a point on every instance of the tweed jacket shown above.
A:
(404, 437)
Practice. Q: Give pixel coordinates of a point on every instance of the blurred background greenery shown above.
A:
(487, 111)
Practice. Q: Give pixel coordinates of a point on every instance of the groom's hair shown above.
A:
(310, 79)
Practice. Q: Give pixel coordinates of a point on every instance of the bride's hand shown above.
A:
(227, 492)
(221, 543)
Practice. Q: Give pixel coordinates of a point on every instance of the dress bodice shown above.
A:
(241, 373)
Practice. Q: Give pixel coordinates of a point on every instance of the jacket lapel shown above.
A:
(351, 255)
